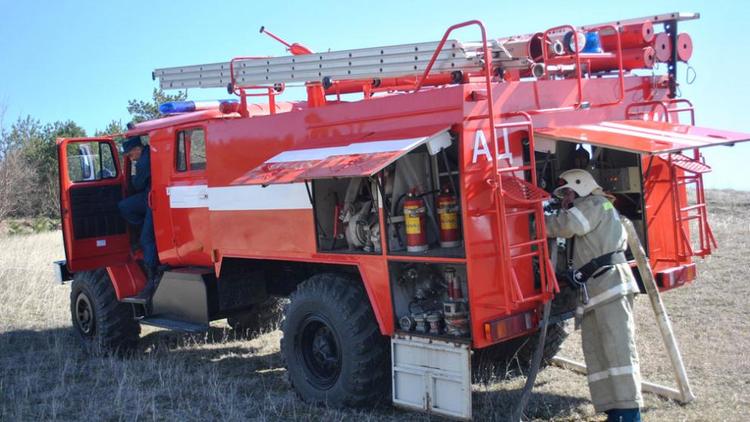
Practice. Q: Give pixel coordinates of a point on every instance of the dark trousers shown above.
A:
(135, 210)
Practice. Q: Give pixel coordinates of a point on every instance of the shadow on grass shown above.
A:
(166, 339)
(245, 366)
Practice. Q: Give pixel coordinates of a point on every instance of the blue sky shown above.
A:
(83, 60)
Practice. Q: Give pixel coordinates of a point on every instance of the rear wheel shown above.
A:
(103, 324)
(332, 346)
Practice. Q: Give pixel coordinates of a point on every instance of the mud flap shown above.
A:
(431, 375)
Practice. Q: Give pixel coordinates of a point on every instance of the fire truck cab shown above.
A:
(403, 227)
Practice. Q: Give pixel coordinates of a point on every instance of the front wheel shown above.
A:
(332, 346)
(103, 324)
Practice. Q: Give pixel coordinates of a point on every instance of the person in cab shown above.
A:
(136, 211)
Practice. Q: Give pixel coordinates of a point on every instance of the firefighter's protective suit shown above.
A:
(608, 330)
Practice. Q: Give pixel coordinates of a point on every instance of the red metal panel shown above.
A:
(642, 136)
(341, 158)
(128, 279)
(93, 252)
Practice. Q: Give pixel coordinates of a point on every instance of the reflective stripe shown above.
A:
(581, 219)
(372, 147)
(611, 372)
(607, 206)
(620, 290)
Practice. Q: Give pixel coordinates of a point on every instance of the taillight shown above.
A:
(690, 272)
(676, 276)
(511, 326)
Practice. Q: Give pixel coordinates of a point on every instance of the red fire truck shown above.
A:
(398, 209)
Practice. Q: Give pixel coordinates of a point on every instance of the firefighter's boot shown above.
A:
(152, 283)
(624, 415)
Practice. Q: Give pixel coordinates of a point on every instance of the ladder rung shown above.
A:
(693, 207)
(522, 212)
(528, 243)
(690, 217)
(536, 297)
(525, 255)
(514, 168)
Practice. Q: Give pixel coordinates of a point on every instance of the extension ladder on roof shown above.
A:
(362, 63)
(404, 60)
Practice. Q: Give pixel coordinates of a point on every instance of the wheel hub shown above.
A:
(319, 349)
(84, 314)
(324, 348)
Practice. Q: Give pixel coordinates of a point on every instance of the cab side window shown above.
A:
(197, 150)
(191, 150)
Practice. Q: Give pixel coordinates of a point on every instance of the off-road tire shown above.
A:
(262, 318)
(335, 307)
(515, 355)
(103, 324)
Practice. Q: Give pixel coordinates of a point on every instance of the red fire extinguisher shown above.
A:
(414, 218)
(447, 209)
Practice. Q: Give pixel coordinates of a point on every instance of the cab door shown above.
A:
(91, 186)
(188, 197)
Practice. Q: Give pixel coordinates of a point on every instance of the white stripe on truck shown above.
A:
(291, 196)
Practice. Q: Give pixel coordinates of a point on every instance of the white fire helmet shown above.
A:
(579, 180)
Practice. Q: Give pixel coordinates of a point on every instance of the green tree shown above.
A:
(149, 110)
(115, 127)
(37, 145)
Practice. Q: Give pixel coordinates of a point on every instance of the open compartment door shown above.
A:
(670, 178)
(342, 158)
(91, 185)
(640, 136)
(432, 375)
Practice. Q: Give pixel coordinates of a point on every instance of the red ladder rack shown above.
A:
(515, 197)
(685, 171)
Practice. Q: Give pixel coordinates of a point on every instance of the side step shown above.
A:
(180, 302)
(175, 325)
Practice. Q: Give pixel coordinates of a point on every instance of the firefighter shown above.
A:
(136, 211)
(607, 288)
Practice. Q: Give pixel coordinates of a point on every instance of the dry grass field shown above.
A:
(44, 375)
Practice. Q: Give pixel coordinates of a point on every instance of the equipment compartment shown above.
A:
(430, 299)
(346, 215)
(422, 208)
(620, 176)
